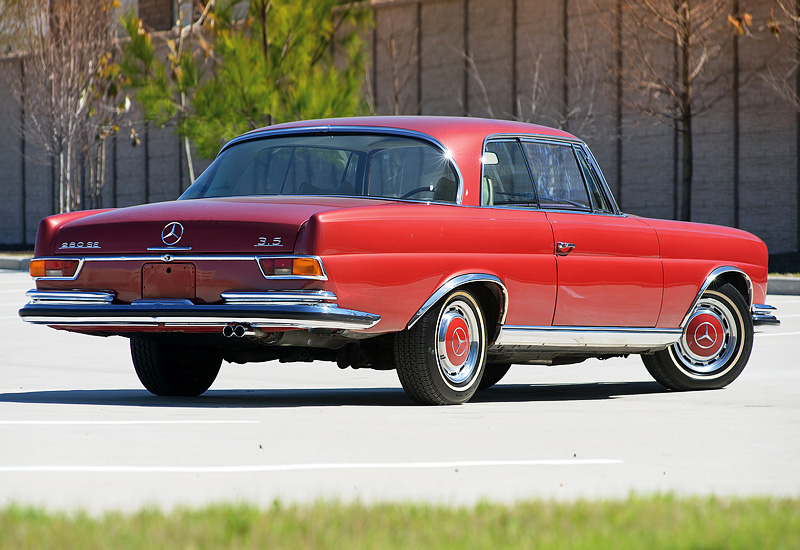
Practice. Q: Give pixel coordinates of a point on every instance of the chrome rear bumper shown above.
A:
(295, 309)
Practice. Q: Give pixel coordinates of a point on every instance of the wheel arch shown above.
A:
(489, 290)
(721, 275)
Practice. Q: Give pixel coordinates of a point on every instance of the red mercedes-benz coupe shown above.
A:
(445, 248)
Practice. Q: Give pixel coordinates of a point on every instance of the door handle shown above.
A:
(562, 249)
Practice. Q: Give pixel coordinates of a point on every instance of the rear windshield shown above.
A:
(331, 164)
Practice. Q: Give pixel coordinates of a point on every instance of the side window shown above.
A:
(599, 201)
(557, 176)
(506, 179)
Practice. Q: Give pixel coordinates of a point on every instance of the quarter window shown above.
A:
(506, 179)
(556, 176)
(599, 201)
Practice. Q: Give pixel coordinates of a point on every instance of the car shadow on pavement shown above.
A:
(328, 397)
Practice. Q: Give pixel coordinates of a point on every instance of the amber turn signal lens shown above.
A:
(307, 267)
(36, 268)
(65, 269)
(291, 267)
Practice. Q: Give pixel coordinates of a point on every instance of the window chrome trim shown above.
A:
(458, 281)
(267, 133)
(575, 143)
(606, 188)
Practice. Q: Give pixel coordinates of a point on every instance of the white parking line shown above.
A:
(299, 467)
(117, 422)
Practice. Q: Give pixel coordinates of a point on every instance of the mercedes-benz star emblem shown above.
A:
(710, 334)
(459, 341)
(172, 233)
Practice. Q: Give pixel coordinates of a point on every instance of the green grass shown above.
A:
(640, 523)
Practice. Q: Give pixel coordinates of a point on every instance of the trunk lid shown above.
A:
(252, 225)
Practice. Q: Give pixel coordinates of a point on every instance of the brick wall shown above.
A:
(517, 47)
(155, 170)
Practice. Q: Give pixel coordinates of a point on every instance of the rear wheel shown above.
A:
(440, 360)
(175, 370)
(493, 373)
(714, 348)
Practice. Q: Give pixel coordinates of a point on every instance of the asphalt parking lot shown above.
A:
(79, 432)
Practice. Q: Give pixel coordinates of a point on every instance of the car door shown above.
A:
(508, 198)
(608, 264)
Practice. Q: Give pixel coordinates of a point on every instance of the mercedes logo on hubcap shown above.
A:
(172, 233)
(705, 335)
(459, 341)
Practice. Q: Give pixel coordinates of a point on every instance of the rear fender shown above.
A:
(489, 290)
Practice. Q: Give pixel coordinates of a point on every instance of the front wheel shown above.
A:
(175, 370)
(440, 360)
(714, 347)
(493, 373)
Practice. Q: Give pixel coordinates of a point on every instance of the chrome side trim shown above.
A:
(562, 337)
(201, 258)
(68, 297)
(762, 315)
(460, 281)
(168, 258)
(713, 277)
(293, 296)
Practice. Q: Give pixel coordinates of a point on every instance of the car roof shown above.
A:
(462, 137)
(443, 128)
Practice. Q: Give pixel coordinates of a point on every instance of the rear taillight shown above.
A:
(291, 267)
(66, 268)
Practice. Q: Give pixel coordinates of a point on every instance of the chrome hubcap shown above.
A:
(458, 343)
(710, 339)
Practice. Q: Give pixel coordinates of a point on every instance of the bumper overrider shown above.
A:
(281, 309)
(764, 314)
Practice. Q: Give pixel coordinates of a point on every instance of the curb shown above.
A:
(783, 285)
(775, 285)
(20, 263)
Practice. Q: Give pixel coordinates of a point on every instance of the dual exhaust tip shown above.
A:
(237, 331)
